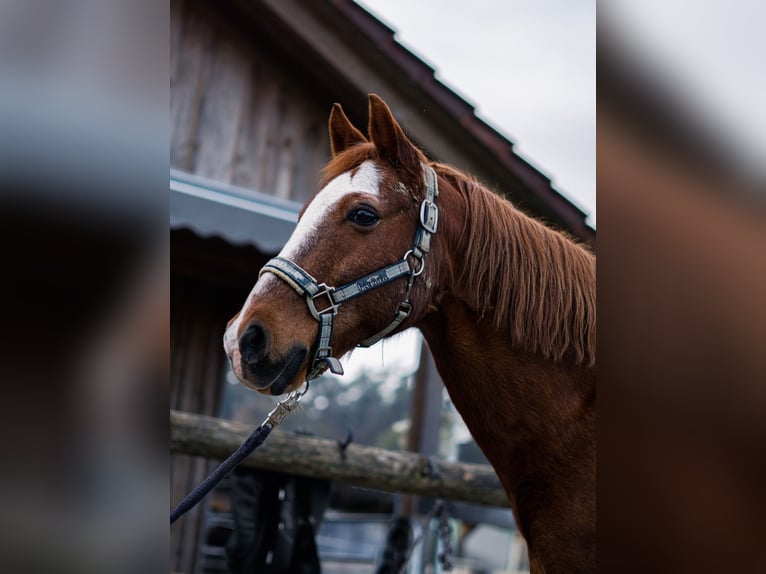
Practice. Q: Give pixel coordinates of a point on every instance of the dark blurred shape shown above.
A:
(83, 219)
(276, 518)
(397, 549)
(682, 278)
(655, 112)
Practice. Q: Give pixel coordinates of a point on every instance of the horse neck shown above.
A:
(533, 416)
(535, 422)
(510, 400)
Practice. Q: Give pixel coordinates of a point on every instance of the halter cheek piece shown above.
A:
(323, 301)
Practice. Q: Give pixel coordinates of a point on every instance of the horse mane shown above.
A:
(533, 283)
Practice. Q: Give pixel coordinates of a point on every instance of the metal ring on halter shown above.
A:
(420, 259)
(296, 396)
(304, 391)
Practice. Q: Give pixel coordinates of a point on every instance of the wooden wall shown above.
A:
(239, 111)
(197, 369)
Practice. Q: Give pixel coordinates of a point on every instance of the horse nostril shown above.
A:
(254, 344)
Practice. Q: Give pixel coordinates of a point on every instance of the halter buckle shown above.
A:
(429, 215)
(405, 307)
(323, 290)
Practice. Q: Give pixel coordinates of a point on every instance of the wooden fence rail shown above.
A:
(365, 466)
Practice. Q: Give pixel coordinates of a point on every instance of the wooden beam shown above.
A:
(364, 466)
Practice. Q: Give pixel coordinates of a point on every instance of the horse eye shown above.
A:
(363, 216)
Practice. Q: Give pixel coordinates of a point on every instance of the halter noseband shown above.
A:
(319, 293)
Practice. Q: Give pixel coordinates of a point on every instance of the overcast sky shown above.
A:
(527, 65)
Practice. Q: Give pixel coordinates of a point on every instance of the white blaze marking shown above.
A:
(365, 180)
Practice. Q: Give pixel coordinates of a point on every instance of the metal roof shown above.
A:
(240, 216)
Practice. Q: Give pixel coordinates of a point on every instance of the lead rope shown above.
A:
(276, 416)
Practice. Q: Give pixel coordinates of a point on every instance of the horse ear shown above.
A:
(388, 136)
(343, 134)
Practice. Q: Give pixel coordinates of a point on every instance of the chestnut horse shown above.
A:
(506, 305)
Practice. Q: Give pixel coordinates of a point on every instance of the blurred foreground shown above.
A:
(682, 278)
(83, 173)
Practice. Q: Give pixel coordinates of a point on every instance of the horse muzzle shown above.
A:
(258, 368)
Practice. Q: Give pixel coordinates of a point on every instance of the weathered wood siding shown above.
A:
(196, 375)
(236, 115)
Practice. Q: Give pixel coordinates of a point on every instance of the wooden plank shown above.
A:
(179, 465)
(180, 332)
(364, 466)
(319, 152)
(289, 137)
(271, 97)
(187, 470)
(182, 537)
(224, 91)
(197, 369)
(179, 329)
(214, 369)
(311, 152)
(189, 63)
(177, 10)
(307, 152)
(253, 133)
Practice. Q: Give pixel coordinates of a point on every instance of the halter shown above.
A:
(319, 293)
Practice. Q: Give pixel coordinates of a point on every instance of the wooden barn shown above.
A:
(252, 84)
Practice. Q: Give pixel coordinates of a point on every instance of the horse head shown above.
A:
(368, 229)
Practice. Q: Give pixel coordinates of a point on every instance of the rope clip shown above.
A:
(285, 407)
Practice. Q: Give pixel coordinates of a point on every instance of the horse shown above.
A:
(505, 304)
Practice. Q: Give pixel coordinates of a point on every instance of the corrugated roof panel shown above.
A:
(240, 216)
